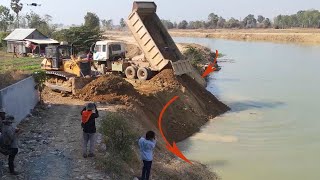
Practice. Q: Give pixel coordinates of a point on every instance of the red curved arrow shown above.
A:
(211, 67)
(174, 148)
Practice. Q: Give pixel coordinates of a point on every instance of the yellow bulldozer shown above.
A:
(65, 72)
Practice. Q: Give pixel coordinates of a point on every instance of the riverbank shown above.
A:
(303, 36)
(307, 36)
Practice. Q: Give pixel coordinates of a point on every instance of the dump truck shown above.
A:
(158, 47)
(156, 43)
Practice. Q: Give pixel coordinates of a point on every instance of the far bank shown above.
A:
(301, 36)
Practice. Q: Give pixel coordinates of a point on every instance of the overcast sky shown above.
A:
(72, 11)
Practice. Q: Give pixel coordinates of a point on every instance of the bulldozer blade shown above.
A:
(182, 67)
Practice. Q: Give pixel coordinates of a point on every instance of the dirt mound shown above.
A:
(12, 77)
(194, 107)
(109, 88)
(147, 98)
(132, 50)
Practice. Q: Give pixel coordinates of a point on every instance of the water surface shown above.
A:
(273, 130)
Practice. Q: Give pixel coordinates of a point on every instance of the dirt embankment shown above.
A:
(307, 36)
(9, 78)
(193, 109)
(144, 101)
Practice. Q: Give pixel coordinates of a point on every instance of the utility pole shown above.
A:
(16, 7)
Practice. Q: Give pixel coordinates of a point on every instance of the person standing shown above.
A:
(9, 140)
(88, 124)
(147, 146)
(15, 54)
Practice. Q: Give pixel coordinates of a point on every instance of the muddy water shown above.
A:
(273, 130)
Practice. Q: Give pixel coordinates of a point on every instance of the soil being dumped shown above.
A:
(146, 99)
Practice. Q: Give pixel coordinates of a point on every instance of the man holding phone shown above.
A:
(88, 124)
(147, 146)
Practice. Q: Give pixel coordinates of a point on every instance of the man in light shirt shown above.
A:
(147, 146)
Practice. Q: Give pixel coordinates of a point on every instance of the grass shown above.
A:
(25, 64)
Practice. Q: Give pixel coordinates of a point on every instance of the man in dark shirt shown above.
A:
(88, 124)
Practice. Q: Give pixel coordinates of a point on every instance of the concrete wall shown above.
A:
(19, 99)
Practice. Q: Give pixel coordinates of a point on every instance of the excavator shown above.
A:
(63, 69)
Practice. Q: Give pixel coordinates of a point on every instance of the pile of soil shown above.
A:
(109, 88)
(9, 78)
(132, 50)
(145, 100)
(194, 107)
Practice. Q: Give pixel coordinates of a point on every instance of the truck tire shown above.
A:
(143, 73)
(131, 72)
(103, 68)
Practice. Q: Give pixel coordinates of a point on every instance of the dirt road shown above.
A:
(50, 146)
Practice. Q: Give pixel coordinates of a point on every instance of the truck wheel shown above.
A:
(143, 73)
(103, 68)
(131, 72)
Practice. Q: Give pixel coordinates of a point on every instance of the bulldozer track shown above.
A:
(63, 74)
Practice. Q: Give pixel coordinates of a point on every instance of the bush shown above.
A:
(2, 36)
(194, 54)
(118, 136)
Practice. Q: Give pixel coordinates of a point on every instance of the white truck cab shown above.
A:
(109, 50)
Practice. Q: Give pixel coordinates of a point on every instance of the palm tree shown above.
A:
(16, 7)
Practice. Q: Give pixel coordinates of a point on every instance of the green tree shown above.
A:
(91, 20)
(81, 37)
(41, 23)
(16, 7)
(221, 22)
(213, 20)
(107, 24)
(167, 23)
(261, 19)
(250, 21)
(5, 18)
(183, 25)
(266, 23)
(122, 23)
(232, 23)
(40, 78)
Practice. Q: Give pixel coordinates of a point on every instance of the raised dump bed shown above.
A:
(154, 40)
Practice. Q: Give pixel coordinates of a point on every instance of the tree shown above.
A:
(260, 19)
(249, 21)
(82, 37)
(183, 25)
(5, 18)
(122, 23)
(41, 23)
(91, 20)
(221, 22)
(232, 23)
(16, 7)
(266, 23)
(213, 20)
(107, 24)
(167, 23)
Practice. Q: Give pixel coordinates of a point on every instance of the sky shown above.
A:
(72, 11)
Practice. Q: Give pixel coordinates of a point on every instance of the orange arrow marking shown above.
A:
(173, 148)
(211, 67)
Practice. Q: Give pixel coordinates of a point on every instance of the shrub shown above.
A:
(118, 136)
(2, 36)
(194, 54)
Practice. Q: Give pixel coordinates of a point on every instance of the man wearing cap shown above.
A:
(8, 140)
(88, 124)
